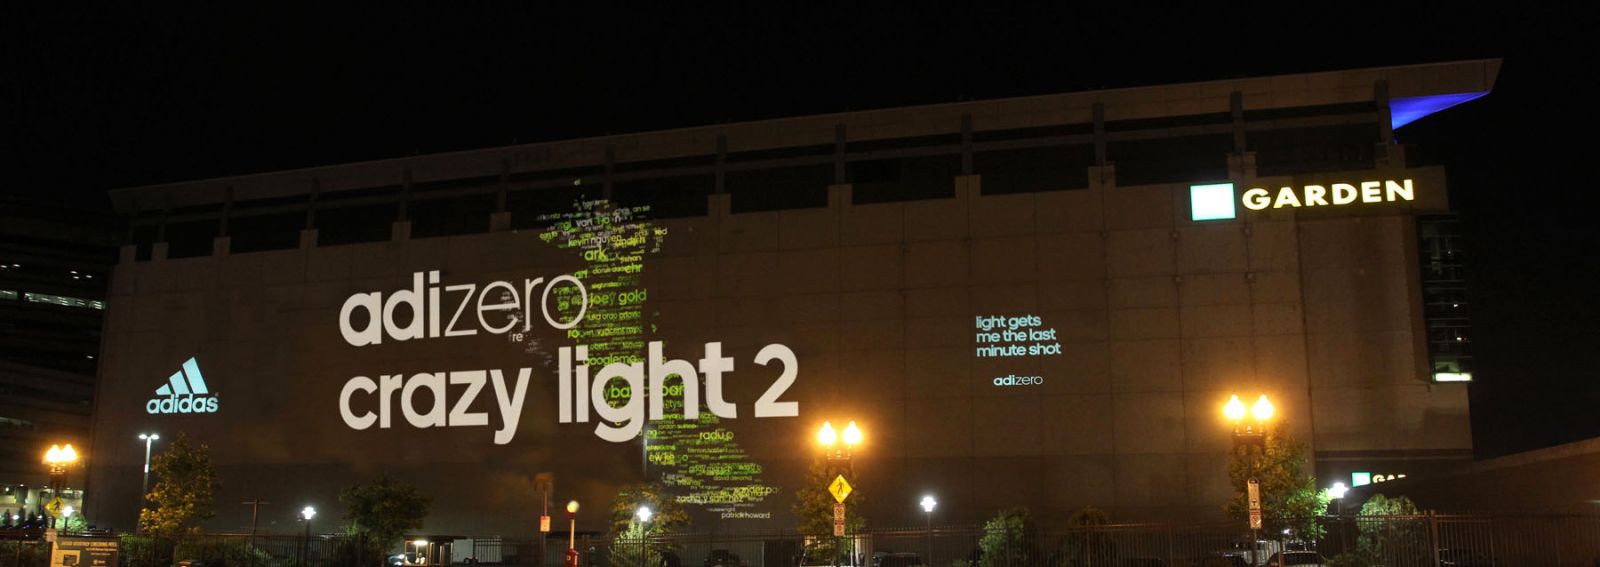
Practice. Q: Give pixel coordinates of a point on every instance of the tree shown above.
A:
(184, 494)
(814, 507)
(1389, 526)
(1009, 539)
(666, 514)
(1083, 544)
(1289, 496)
(631, 548)
(383, 510)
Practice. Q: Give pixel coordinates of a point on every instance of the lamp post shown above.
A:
(839, 447)
(644, 518)
(928, 504)
(59, 458)
(305, 548)
(149, 440)
(1248, 433)
(572, 534)
(1337, 492)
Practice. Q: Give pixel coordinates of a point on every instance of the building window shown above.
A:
(8, 294)
(64, 301)
(1444, 298)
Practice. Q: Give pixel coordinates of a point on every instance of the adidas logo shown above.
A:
(184, 392)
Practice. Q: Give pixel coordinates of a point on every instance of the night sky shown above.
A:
(92, 100)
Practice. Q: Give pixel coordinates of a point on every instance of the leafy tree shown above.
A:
(1390, 526)
(6, 521)
(1009, 539)
(1289, 496)
(185, 491)
(1081, 545)
(814, 507)
(383, 510)
(75, 523)
(666, 514)
(631, 546)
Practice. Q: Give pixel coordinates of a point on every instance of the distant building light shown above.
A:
(1452, 377)
(7, 294)
(64, 301)
(1360, 479)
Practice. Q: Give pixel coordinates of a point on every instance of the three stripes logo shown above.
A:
(184, 392)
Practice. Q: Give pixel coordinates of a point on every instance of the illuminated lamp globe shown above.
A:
(827, 436)
(1262, 410)
(644, 514)
(852, 434)
(572, 507)
(1338, 490)
(928, 503)
(1234, 409)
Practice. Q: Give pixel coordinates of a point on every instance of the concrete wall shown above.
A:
(1160, 320)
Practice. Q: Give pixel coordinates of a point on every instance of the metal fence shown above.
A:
(1428, 540)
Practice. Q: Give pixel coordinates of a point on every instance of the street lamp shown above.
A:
(306, 514)
(572, 534)
(838, 455)
(59, 458)
(149, 440)
(1247, 433)
(928, 504)
(644, 518)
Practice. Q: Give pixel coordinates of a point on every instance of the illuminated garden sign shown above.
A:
(1215, 201)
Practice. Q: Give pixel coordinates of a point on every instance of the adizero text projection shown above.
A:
(435, 310)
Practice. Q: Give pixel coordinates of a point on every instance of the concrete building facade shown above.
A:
(1013, 298)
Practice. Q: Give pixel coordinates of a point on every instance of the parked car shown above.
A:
(897, 560)
(724, 558)
(1223, 560)
(1142, 562)
(1463, 558)
(1297, 558)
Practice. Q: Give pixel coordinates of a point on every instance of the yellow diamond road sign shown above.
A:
(840, 489)
(54, 507)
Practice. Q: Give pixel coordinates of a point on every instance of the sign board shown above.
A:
(84, 552)
(54, 507)
(1254, 496)
(840, 489)
(544, 524)
(838, 518)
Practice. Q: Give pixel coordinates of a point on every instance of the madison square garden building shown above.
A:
(1039, 301)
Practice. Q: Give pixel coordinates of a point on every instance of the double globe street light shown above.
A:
(58, 458)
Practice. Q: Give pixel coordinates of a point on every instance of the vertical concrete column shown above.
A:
(1242, 166)
(839, 174)
(308, 238)
(400, 231)
(500, 221)
(1103, 176)
(158, 252)
(969, 187)
(840, 196)
(221, 246)
(719, 205)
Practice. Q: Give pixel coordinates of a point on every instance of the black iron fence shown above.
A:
(1430, 540)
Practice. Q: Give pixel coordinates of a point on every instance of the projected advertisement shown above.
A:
(1014, 337)
(612, 377)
